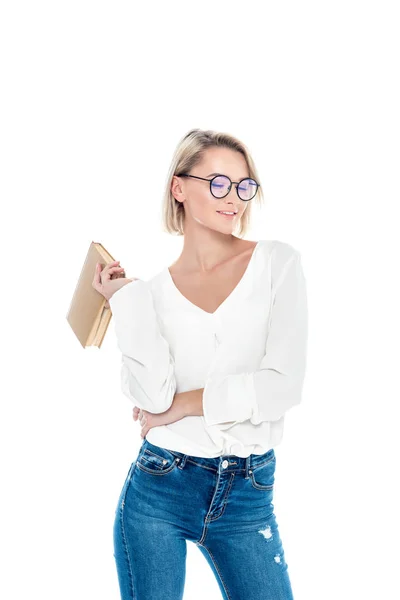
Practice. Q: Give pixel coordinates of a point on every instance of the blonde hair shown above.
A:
(188, 153)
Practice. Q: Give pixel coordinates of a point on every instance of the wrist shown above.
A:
(181, 404)
(190, 404)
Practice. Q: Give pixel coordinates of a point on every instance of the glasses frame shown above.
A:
(230, 185)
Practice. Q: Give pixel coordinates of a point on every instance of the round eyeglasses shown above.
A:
(220, 186)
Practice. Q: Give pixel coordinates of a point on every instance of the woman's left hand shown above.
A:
(176, 411)
(147, 420)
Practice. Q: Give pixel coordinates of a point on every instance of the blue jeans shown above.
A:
(223, 505)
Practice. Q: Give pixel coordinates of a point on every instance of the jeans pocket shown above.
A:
(262, 476)
(156, 462)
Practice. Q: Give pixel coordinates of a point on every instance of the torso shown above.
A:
(209, 290)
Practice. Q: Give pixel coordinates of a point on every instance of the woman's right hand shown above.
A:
(110, 278)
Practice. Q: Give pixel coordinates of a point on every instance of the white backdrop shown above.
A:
(94, 98)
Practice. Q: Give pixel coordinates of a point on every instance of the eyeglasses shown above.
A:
(220, 186)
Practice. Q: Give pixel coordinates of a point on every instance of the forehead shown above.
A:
(225, 161)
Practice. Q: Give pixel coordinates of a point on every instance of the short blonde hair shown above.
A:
(188, 153)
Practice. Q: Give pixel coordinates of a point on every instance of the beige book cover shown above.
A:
(89, 313)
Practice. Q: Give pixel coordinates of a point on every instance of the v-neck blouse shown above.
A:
(249, 355)
(228, 299)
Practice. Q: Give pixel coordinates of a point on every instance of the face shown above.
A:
(199, 203)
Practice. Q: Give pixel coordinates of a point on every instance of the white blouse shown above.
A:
(249, 355)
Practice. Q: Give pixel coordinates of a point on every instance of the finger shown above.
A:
(106, 275)
(98, 272)
(96, 278)
(110, 265)
(116, 273)
(105, 268)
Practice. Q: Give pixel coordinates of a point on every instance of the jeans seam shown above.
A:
(254, 467)
(225, 501)
(121, 517)
(218, 571)
(202, 466)
(146, 450)
(145, 469)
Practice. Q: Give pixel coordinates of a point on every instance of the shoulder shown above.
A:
(279, 251)
(157, 283)
(280, 256)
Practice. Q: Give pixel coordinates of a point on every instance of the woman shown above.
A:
(213, 355)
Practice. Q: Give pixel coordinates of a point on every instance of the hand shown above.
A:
(109, 279)
(176, 411)
(147, 420)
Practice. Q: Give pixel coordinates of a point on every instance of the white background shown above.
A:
(94, 98)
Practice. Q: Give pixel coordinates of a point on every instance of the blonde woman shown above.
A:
(213, 355)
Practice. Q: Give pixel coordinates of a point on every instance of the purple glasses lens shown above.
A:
(246, 189)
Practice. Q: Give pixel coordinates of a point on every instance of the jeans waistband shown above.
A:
(227, 462)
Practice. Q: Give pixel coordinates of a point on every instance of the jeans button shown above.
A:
(224, 464)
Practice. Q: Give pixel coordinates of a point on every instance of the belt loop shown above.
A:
(247, 466)
(181, 460)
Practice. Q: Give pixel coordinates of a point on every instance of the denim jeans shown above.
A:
(223, 505)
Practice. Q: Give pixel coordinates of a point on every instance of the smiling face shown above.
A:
(199, 203)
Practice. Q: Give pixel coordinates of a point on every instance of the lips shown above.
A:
(221, 211)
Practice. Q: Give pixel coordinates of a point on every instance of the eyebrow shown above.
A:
(211, 174)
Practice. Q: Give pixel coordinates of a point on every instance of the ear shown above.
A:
(177, 189)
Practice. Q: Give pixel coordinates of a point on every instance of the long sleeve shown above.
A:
(267, 393)
(147, 369)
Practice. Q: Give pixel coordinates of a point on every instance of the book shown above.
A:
(89, 313)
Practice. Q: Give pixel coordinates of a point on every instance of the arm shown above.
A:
(191, 403)
(147, 369)
(266, 394)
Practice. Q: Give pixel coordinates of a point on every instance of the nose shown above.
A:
(231, 201)
(232, 197)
